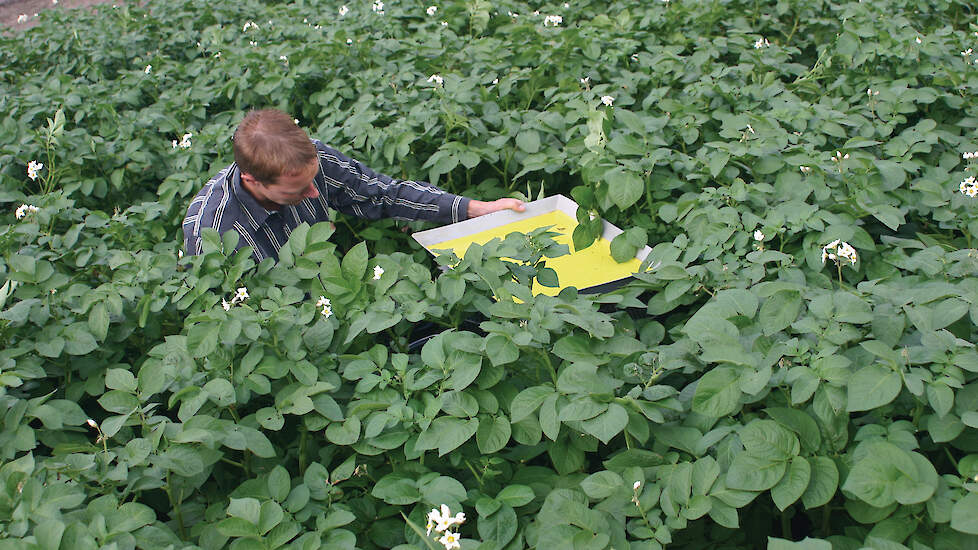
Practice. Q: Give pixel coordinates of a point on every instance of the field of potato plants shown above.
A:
(794, 369)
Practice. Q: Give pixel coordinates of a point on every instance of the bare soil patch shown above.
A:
(12, 10)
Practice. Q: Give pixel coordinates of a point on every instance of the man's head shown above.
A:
(276, 158)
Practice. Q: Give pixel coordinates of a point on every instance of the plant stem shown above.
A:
(175, 504)
(303, 447)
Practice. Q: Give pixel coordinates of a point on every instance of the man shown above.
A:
(281, 178)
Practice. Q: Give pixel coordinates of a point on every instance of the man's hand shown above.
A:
(480, 208)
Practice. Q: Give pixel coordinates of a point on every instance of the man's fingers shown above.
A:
(512, 204)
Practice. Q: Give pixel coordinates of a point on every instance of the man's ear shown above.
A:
(249, 180)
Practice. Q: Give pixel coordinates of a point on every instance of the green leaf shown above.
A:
(202, 339)
(717, 393)
(220, 391)
(793, 485)
(500, 527)
(718, 160)
(493, 434)
(779, 310)
(626, 245)
(397, 489)
(799, 422)
(78, 341)
(601, 485)
(580, 378)
(804, 544)
(346, 433)
(503, 350)
(527, 401)
(723, 514)
(446, 434)
(120, 379)
(754, 474)
(443, 490)
(528, 141)
(970, 419)
(354, 264)
(465, 371)
(964, 514)
(625, 187)
(236, 527)
(98, 321)
(271, 515)
(879, 474)
(824, 482)
(256, 442)
(768, 440)
(248, 509)
(872, 387)
(607, 424)
(279, 483)
(49, 533)
(516, 495)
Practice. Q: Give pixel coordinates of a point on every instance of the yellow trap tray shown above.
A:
(589, 270)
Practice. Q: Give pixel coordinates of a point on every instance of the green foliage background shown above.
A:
(757, 397)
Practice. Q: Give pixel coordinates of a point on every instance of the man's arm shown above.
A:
(480, 208)
(353, 188)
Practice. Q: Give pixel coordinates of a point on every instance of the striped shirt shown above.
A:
(344, 184)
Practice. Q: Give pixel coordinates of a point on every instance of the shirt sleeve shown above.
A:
(352, 188)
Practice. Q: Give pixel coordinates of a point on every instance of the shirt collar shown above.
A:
(258, 212)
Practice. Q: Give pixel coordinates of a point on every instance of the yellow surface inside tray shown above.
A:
(582, 269)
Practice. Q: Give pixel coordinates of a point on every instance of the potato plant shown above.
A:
(795, 367)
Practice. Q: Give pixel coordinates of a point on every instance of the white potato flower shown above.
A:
(805, 169)
(636, 485)
(969, 187)
(839, 250)
(437, 79)
(758, 236)
(607, 100)
(327, 312)
(378, 271)
(552, 20)
(249, 25)
(184, 142)
(442, 520)
(241, 295)
(378, 7)
(761, 43)
(431, 10)
(344, 10)
(22, 18)
(323, 302)
(450, 540)
(24, 210)
(33, 167)
(148, 69)
(225, 305)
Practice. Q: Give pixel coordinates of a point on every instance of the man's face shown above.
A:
(291, 189)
